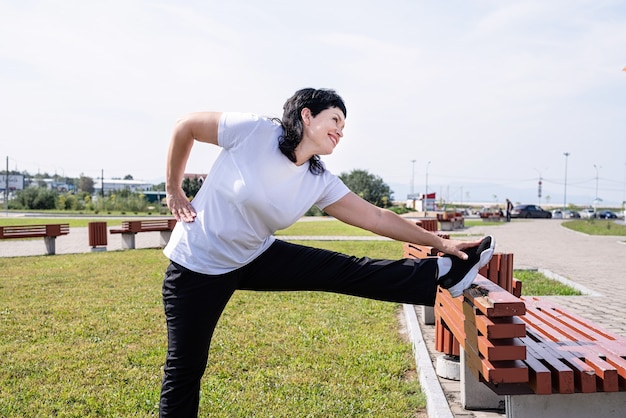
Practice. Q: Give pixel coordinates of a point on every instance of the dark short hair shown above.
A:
(316, 100)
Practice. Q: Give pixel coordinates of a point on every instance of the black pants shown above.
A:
(194, 302)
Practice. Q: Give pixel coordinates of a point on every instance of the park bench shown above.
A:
(449, 221)
(490, 216)
(527, 352)
(48, 232)
(129, 229)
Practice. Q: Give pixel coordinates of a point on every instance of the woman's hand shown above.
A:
(454, 247)
(180, 206)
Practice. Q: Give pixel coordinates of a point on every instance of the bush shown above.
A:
(38, 198)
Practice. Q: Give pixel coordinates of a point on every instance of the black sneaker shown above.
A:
(463, 272)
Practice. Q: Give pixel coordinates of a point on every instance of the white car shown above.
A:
(587, 213)
(557, 214)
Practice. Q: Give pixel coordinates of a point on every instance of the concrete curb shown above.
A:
(437, 405)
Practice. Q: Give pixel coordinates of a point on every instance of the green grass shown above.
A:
(596, 227)
(83, 336)
(331, 227)
(535, 283)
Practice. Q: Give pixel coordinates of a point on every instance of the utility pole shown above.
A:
(6, 188)
(565, 188)
(413, 180)
(426, 191)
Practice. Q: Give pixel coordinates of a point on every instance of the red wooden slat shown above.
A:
(539, 376)
(494, 301)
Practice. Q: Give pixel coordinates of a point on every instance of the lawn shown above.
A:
(596, 227)
(535, 283)
(83, 336)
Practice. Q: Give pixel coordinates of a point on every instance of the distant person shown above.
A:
(509, 208)
(266, 177)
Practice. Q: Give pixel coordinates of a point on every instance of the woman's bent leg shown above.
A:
(193, 304)
(287, 266)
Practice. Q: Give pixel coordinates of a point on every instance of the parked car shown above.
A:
(571, 214)
(530, 211)
(557, 214)
(587, 213)
(607, 214)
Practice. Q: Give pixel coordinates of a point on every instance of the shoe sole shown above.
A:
(487, 253)
(485, 256)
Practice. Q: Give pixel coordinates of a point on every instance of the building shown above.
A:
(112, 185)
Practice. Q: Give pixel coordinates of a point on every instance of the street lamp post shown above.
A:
(413, 179)
(426, 189)
(565, 187)
(539, 186)
(595, 200)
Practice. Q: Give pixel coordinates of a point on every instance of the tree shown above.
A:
(85, 184)
(38, 198)
(191, 186)
(158, 187)
(369, 186)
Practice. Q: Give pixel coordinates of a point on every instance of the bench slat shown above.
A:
(418, 251)
(494, 301)
(620, 365)
(539, 376)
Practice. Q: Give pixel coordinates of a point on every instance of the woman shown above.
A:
(266, 177)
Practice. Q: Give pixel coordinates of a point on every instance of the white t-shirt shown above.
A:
(252, 191)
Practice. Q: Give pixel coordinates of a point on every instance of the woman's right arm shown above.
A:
(201, 126)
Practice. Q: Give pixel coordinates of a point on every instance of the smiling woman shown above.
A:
(268, 175)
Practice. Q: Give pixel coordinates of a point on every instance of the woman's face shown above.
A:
(323, 132)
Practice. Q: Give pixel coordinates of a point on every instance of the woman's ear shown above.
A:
(306, 115)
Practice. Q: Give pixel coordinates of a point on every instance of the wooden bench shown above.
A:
(129, 229)
(527, 352)
(48, 232)
(449, 221)
(490, 217)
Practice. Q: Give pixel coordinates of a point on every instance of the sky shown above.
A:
(476, 100)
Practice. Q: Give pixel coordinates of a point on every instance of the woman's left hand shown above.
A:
(181, 207)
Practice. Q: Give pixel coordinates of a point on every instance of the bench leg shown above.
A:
(128, 241)
(475, 394)
(50, 245)
(428, 315)
(446, 225)
(165, 238)
(575, 405)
